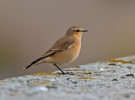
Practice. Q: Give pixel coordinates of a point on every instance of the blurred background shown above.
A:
(28, 28)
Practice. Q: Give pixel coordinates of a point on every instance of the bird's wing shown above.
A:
(59, 46)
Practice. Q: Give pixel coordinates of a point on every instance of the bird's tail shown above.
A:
(33, 63)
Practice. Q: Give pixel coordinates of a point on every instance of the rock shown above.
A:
(108, 80)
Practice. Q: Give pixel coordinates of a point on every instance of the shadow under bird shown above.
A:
(65, 50)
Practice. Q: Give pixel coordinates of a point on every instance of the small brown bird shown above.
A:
(65, 50)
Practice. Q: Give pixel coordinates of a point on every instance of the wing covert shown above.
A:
(59, 46)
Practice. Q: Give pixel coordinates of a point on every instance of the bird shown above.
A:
(64, 51)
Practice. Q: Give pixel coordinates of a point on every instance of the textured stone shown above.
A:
(108, 80)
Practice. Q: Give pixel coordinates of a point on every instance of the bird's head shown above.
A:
(75, 31)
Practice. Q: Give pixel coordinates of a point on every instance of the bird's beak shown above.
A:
(84, 30)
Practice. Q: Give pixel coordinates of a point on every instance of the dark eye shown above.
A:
(77, 30)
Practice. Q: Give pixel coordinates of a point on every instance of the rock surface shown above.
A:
(108, 80)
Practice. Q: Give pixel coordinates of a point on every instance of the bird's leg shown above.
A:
(59, 68)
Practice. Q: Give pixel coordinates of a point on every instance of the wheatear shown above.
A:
(65, 50)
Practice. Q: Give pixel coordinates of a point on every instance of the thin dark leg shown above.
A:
(59, 68)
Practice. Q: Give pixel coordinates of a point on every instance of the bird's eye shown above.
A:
(77, 30)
